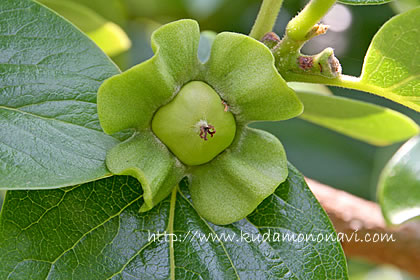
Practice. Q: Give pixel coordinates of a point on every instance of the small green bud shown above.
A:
(195, 125)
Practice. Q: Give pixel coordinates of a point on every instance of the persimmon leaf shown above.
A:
(399, 184)
(364, 2)
(392, 64)
(95, 231)
(367, 122)
(49, 75)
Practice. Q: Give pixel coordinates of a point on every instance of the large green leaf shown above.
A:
(399, 184)
(106, 34)
(392, 63)
(364, 2)
(95, 231)
(49, 75)
(367, 122)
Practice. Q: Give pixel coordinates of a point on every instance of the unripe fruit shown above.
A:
(195, 125)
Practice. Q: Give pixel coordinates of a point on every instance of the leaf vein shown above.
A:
(93, 229)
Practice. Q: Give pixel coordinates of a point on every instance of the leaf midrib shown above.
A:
(90, 158)
(213, 232)
(171, 219)
(46, 118)
(63, 72)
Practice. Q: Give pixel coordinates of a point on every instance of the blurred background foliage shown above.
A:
(123, 28)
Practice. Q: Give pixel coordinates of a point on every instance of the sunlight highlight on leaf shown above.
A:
(367, 122)
(106, 34)
(392, 63)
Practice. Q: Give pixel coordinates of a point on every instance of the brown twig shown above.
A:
(353, 215)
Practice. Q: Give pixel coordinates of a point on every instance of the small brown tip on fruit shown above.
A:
(207, 129)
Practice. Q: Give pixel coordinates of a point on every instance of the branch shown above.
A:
(349, 213)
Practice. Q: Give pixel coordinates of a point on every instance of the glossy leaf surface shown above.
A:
(95, 231)
(49, 74)
(367, 122)
(399, 184)
(392, 63)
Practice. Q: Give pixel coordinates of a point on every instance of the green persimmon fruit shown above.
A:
(195, 125)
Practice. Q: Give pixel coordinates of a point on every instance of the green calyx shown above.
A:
(196, 125)
(190, 120)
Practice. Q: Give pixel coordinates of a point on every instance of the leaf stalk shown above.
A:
(301, 25)
(266, 18)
